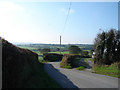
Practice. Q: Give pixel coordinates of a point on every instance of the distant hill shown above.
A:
(53, 47)
(22, 43)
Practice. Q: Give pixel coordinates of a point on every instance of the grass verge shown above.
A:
(80, 68)
(40, 79)
(68, 66)
(111, 70)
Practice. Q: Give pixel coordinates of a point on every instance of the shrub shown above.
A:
(74, 49)
(69, 59)
(45, 50)
(52, 56)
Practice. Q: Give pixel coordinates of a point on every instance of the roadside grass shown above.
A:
(68, 66)
(80, 68)
(111, 70)
(40, 59)
(40, 78)
(38, 52)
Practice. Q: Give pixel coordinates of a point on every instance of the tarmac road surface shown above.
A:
(71, 78)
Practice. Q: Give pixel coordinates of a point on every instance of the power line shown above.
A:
(65, 24)
(67, 17)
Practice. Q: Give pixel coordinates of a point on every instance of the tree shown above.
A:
(106, 46)
(74, 49)
(45, 50)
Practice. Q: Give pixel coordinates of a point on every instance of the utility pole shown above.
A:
(60, 44)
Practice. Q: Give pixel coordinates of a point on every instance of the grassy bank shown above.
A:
(111, 70)
(40, 79)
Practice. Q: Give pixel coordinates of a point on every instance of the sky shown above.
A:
(43, 22)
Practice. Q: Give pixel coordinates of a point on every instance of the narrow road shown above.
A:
(89, 62)
(71, 78)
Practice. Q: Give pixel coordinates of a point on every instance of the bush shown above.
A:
(69, 59)
(52, 56)
(18, 65)
(45, 50)
(74, 49)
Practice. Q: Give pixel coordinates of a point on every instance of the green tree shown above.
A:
(99, 47)
(107, 47)
(74, 49)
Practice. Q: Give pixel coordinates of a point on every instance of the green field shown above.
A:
(39, 53)
(66, 52)
(27, 47)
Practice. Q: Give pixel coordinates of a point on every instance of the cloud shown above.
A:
(66, 10)
(6, 7)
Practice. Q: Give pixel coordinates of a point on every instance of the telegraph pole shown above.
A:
(60, 44)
